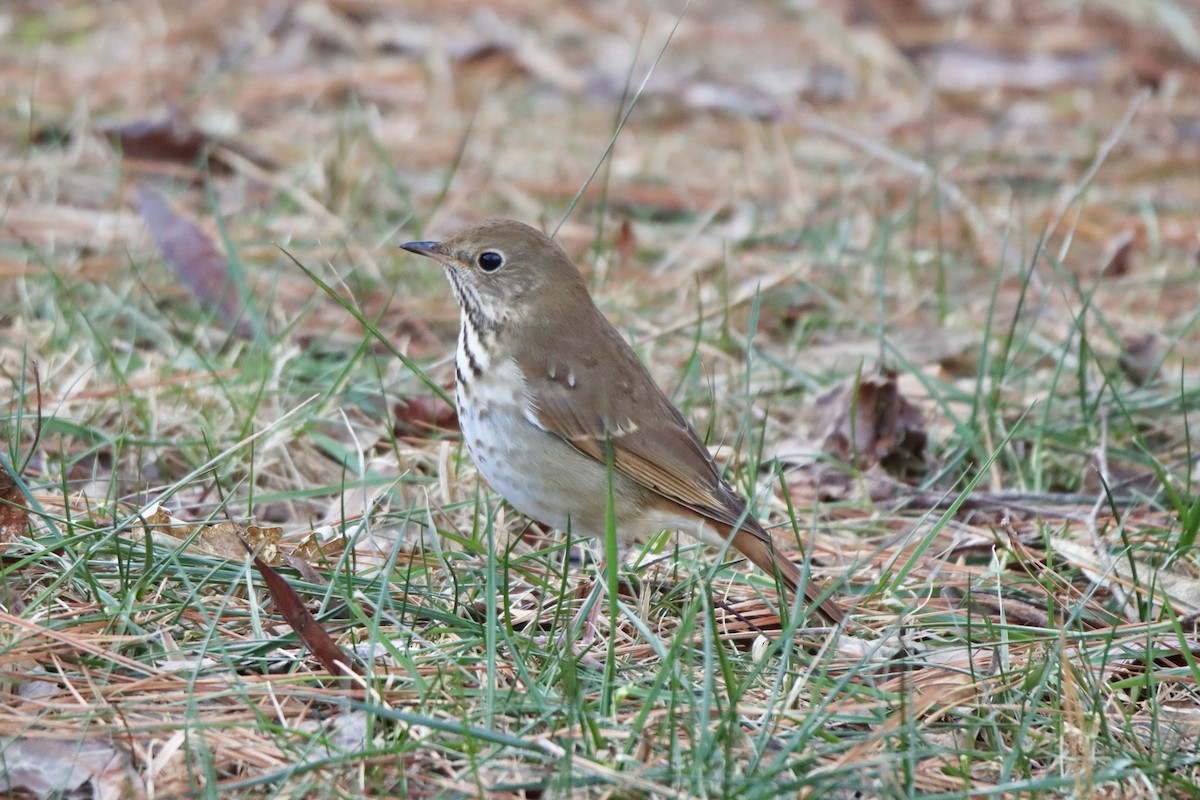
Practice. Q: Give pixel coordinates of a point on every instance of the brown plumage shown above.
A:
(545, 381)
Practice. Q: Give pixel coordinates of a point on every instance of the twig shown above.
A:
(1093, 529)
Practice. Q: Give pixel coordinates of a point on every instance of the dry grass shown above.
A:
(999, 204)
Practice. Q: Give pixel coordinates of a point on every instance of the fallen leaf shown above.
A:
(1142, 356)
(1118, 255)
(14, 516)
(626, 244)
(222, 539)
(60, 768)
(172, 138)
(866, 422)
(227, 540)
(197, 261)
(422, 416)
(312, 634)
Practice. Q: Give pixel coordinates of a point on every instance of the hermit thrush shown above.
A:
(546, 386)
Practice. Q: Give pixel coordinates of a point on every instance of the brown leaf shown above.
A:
(14, 515)
(312, 634)
(626, 244)
(1142, 356)
(310, 550)
(423, 416)
(197, 261)
(265, 542)
(1118, 255)
(175, 140)
(868, 422)
(222, 539)
(170, 138)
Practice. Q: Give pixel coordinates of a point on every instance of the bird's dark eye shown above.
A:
(490, 261)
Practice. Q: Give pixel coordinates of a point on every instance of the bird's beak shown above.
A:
(429, 249)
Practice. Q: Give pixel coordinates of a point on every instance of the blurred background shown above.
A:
(203, 309)
(887, 178)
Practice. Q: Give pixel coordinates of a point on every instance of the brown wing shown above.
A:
(666, 457)
(571, 396)
(652, 443)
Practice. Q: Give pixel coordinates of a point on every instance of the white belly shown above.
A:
(539, 474)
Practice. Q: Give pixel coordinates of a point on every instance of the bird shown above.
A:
(555, 406)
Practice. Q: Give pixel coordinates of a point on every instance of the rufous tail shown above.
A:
(765, 557)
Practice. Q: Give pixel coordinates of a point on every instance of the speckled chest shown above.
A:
(531, 468)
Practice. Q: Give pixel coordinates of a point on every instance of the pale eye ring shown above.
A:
(490, 260)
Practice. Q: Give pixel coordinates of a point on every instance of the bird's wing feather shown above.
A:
(666, 456)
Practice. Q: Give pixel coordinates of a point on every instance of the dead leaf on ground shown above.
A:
(423, 416)
(228, 540)
(867, 421)
(626, 244)
(312, 551)
(222, 539)
(1118, 255)
(197, 261)
(174, 139)
(14, 516)
(312, 634)
(60, 768)
(169, 138)
(1142, 356)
